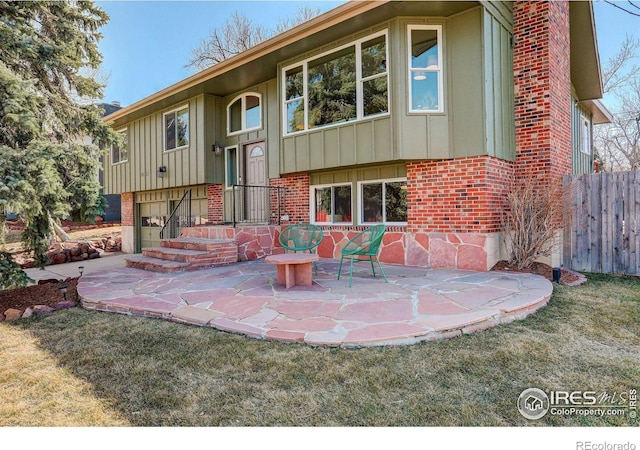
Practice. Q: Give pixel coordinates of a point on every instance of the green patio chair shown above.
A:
(364, 244)
(301, 237)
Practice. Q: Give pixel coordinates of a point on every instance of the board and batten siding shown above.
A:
(186, 166)
(478, 102)
(581, 162)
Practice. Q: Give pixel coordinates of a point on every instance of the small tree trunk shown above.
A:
(60, 233)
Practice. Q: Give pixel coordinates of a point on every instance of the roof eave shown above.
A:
(339, 14)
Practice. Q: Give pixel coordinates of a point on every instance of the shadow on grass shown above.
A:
(158, 373)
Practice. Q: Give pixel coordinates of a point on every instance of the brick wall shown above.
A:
(215, 212)
(297, 196)
(127, 209)
(462, 195)
(542, 90)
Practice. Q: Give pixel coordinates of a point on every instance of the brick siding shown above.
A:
(297, 196)
(462, 195)
(127, 209)
(215, 211)
(542, 91)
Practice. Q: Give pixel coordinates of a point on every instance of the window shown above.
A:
(120, 154)
(585, 135)
(244, 113)
(332, 204)
(231, 173)
(176, 128)
(350, 83)
(383, 201)
(425, 71)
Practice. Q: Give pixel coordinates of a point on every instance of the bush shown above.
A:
(533, 214)
(12, 275)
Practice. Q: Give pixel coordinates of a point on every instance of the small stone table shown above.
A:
(293, 268)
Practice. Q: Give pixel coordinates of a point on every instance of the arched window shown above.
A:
(244, 113)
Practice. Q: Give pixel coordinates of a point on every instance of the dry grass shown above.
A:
(148, 372)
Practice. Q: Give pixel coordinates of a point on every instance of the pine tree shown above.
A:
(47, 114)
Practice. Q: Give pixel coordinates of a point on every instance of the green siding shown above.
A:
(581, 162)
(498, 86)
(185, 167)
(464, 75)
(359, 174)
(478, 101)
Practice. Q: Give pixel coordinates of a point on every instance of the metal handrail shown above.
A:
(179, 218)
(257, 204)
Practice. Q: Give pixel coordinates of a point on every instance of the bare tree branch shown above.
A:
(238, 34)
(616, 5)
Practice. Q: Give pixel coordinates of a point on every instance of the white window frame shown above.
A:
(243, 118)
(585, 135)
(164, 129)
(312, 203)
(228, 186)
(360, 204)
(125, 133)
(439, 71)
(359, 84)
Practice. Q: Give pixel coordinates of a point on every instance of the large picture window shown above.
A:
(383, 201)
(425, 68)
(244, 114)
(120, 153)
(332, 204)
(350, 83)
(176, 128)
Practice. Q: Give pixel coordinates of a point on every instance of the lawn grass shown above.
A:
(109, 369)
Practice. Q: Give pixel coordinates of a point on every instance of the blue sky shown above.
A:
(146, 44)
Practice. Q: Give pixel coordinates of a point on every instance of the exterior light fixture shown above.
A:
(81, 270)
(162, 171)
(419, 76)
(216, 149)
(63, 289)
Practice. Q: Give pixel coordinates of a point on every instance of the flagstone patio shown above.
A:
(416, 305)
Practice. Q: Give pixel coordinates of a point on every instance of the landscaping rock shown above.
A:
(27, 313)
(12, 314)
(65, 304)
(39, 310)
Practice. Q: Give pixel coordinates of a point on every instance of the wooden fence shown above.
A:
(602, 233)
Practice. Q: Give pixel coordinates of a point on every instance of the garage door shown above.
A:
(152, 217)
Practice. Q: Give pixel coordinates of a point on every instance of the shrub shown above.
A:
(11, 274)
(533, 214)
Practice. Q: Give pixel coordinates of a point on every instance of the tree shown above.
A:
(617, 145)
(239, 33)
(47, 115)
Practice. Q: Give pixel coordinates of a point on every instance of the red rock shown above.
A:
(442, 254)
(42, 309)
(471, 257)
(12, 314)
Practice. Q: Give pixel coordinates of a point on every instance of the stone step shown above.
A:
(155, 264)
(174, 254)
(199, 244)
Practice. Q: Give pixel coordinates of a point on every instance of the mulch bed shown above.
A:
(48, 294)
(566, 276)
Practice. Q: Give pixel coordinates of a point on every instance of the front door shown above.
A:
(256, 195)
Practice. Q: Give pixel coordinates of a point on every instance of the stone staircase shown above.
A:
(185, 253)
